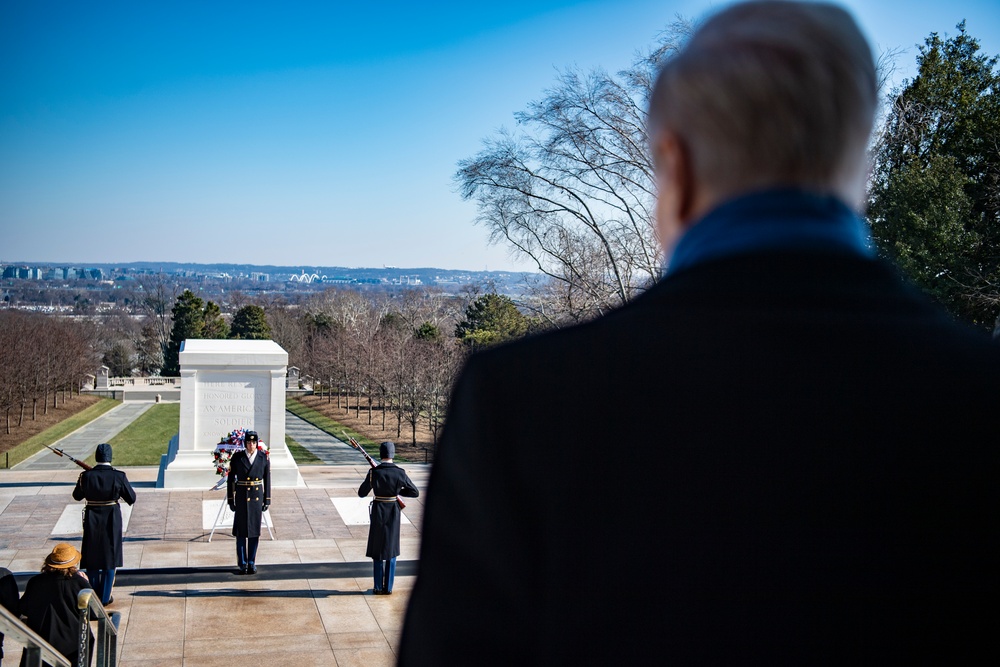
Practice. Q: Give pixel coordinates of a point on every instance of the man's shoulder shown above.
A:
(615, 328)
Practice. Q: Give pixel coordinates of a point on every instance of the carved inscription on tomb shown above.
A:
(224, 404)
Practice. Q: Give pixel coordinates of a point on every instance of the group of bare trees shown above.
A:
(390, 356)
(42, 359)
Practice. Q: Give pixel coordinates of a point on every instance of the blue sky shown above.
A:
(302, 133)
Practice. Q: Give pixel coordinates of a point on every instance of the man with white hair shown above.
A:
(779, 453)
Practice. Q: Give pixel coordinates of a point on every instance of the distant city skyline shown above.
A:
(305, 133)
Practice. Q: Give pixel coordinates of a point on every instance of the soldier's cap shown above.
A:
(63, 556)
(386, 450)
(103, 454)
(251, 435)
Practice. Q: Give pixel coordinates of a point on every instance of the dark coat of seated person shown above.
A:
(49, 603)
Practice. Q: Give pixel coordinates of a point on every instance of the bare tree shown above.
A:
(155, 297)
(573, 190)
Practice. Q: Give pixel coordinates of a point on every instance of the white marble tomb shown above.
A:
(226, 385)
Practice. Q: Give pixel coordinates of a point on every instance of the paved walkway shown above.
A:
(82, 442)
(328, 448)
(180, 601)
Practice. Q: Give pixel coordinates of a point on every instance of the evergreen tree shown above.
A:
(250, 322)
(427, 331)
(191, 315)
(213, 325)
(491, 319)
(934, 198)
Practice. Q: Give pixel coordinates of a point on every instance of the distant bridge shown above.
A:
(307, 278)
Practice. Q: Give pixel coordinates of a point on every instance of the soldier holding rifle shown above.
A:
(388, 481)
(102, 487)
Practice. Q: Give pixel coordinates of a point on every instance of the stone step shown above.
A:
(173, 576)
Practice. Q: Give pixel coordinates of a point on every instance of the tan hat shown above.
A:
(63, 556)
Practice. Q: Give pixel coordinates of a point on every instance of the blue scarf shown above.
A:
(785, 219)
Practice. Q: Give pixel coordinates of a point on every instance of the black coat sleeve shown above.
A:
(408, 488)
(477, 528)
(127, 492)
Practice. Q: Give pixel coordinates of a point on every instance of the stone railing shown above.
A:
(137, 383)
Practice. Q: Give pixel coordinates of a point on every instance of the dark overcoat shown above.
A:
(387, 480)
(102, 522)
(49, 605)
(249, 500)
(776, 457)
(8, 596)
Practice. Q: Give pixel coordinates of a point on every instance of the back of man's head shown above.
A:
(771, 94)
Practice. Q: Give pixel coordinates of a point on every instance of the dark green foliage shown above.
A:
(250, 323)
(427, 331)
(213, 326)
(934, 199)
(191, 315)
(491, 319)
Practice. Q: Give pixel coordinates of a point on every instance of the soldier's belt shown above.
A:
(254, 483)
(101, 503)
(385, 499)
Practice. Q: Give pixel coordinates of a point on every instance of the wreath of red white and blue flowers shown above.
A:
(228, 445)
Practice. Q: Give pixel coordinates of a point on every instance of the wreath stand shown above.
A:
(225, 516)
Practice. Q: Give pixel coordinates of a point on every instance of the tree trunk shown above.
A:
(383, 412)
(20, 417)
(399, 418)
(369, 408)
(34, 408)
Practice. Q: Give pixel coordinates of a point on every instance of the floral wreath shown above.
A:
(229, 444)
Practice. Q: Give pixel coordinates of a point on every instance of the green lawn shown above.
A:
(332, 426)
(60, 430)
(301, 455)
(143, 441)
(147, 438)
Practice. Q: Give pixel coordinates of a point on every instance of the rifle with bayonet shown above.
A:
(62, 453)
(354, 443)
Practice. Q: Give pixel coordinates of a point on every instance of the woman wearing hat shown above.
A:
(49, 601)
(387, 480)
(103, 487)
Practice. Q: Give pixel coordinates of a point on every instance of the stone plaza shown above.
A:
(181, 602)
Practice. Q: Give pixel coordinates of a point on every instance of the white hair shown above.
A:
(770, 93)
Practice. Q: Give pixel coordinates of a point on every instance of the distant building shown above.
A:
(260, 277)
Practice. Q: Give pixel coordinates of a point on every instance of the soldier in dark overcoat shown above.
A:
(387, 480)
(248, 489)
(103, 488)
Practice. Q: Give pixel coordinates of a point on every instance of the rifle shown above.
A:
(371, 461)
(62, 453)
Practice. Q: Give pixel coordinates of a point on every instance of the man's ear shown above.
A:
(675, 202)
